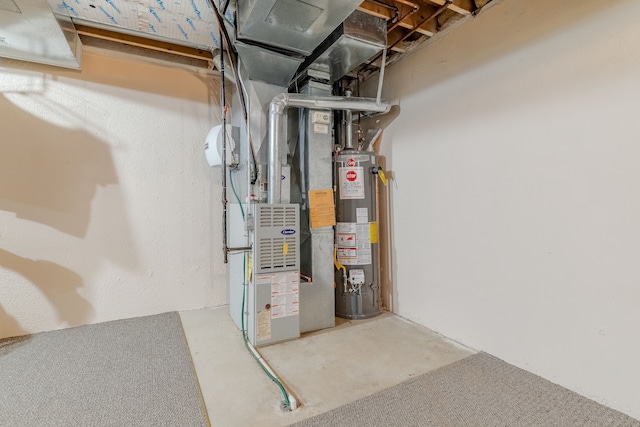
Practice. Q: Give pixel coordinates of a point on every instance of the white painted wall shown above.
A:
(517, 152)
(108, 209)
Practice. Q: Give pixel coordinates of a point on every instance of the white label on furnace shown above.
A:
(348, 253)
(351, 182)
(285, 290)
(362, 215)
(322, 117)
(321, 128)
(263, 330)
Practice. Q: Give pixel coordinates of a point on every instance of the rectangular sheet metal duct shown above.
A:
(294, 25)
(29, 31)
(356, 40)
(266, 65)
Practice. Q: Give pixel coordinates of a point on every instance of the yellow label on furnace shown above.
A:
(285, 248)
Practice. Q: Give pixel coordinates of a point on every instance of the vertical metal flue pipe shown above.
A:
(277, 110)
(276, 119)
(348, 129)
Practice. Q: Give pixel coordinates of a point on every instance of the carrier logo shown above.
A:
(288, 231)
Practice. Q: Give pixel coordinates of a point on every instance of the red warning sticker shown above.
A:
(351, 182)
(351, 162)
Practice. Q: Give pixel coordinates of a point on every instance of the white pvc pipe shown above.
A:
(293, 402)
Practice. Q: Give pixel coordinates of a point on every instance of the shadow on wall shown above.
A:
(49, 174)
(504, 21)
(57, 283)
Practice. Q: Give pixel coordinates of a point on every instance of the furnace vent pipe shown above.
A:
(348, 119)
(277, 111)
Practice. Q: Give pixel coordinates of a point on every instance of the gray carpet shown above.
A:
(477, 391)
(134, 372)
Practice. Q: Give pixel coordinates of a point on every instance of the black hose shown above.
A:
(233, 55)
(226, 5)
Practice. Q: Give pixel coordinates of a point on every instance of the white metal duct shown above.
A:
(29, 31)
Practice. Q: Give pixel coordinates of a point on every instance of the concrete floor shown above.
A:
(324, 369)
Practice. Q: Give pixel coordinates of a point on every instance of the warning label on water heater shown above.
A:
(351, 180)
(354, 243)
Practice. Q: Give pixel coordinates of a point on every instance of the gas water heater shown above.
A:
(356, 234)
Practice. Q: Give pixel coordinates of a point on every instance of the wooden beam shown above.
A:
(375, 10)
(381, 12)
(463, 7)
(398, 34)
(143, 42)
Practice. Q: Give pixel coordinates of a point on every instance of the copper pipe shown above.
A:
(408, 3)
(399, 21)
(413, 30)
(424, 21)
(396, 12)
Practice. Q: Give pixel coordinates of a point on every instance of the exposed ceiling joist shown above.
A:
(408, 23)
(412, 22)
(145, 43)
(463, 7)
